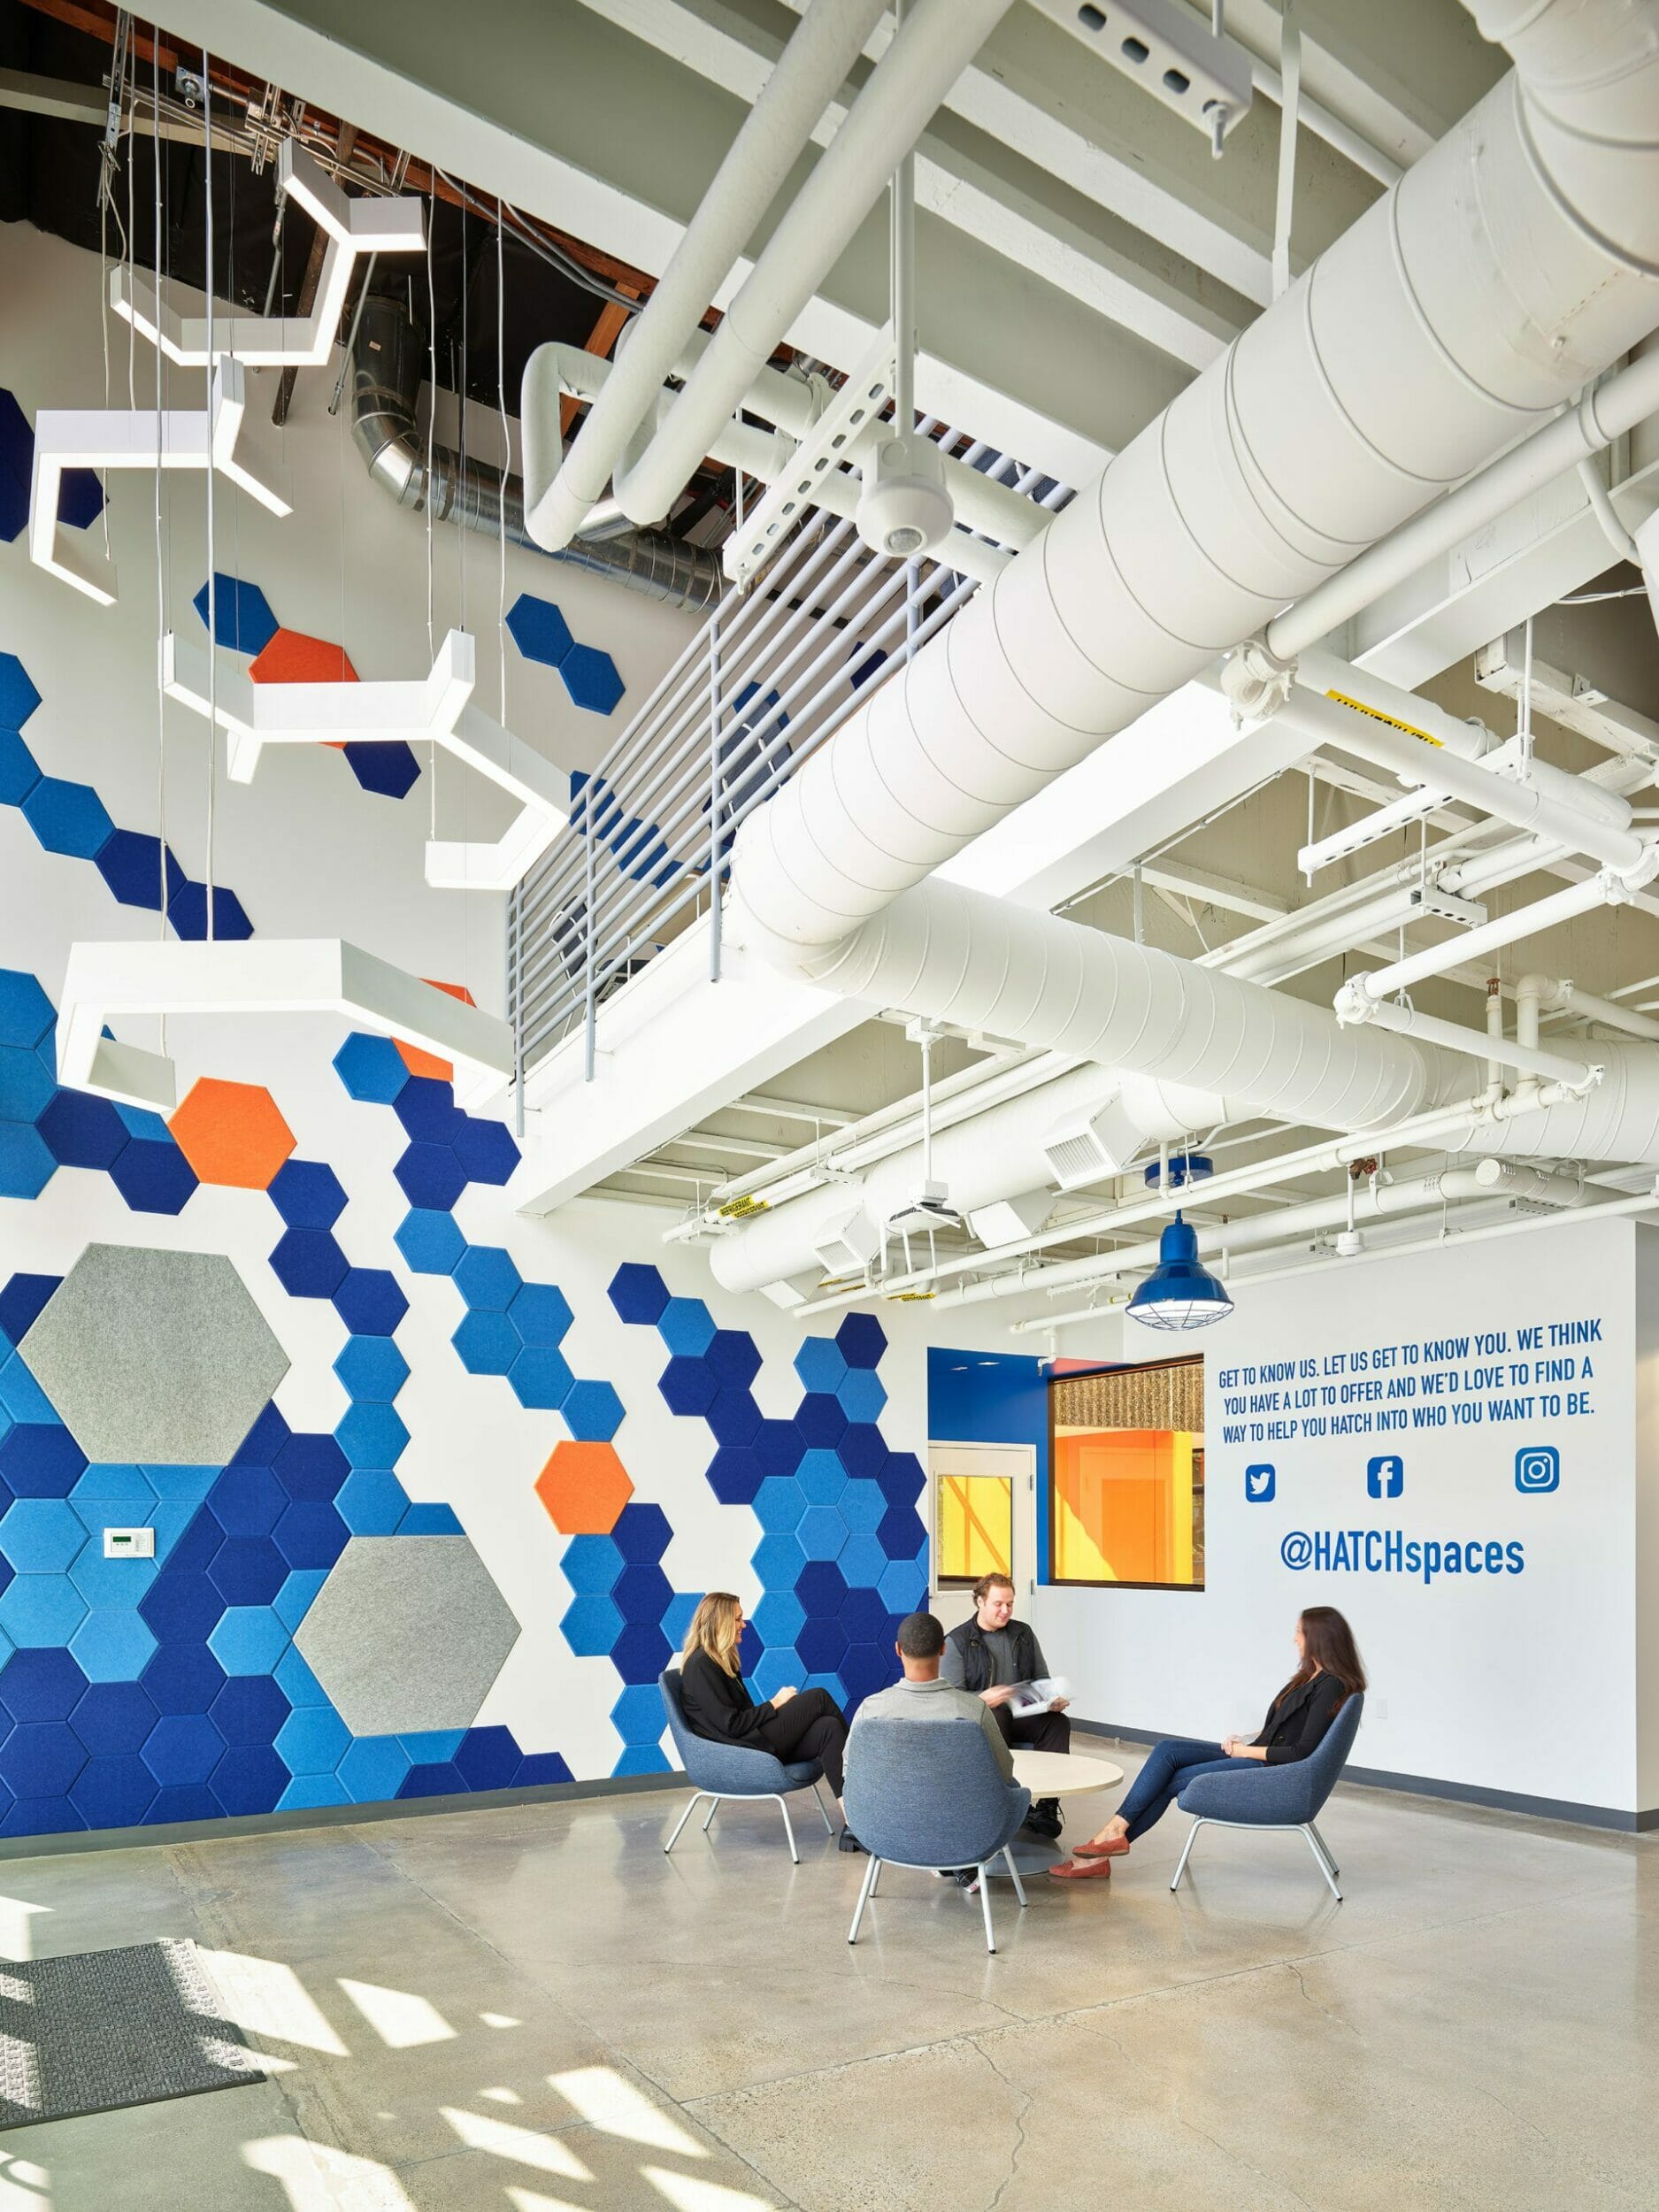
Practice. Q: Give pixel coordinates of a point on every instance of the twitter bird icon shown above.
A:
(1258, 1485)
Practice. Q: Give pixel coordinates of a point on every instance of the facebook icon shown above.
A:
(1385, 1478)
(1258, 1485)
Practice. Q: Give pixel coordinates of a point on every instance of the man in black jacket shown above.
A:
(991, 1654)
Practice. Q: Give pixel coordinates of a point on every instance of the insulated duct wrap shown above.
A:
(1512, 265)
(986, 965)
(385, 369)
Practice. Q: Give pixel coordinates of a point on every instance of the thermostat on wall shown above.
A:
(129, 1543)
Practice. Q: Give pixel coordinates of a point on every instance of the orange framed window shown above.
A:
(1126, 1502)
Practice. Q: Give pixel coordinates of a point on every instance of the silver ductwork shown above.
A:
(386, 361)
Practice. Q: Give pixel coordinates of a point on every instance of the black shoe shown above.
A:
(848, 1842)
(1044, 1818)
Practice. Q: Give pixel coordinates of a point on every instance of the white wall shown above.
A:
(1523, 1682)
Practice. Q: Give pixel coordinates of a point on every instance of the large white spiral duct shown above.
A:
(1509, 266)
(1513, 263)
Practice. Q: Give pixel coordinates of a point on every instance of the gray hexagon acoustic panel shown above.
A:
(407, 1635)
(156, 1357)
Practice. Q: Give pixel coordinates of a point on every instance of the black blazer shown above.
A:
(718, 1705)
(1297, 1719)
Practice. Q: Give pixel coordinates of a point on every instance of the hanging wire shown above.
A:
(432, 412)
(506, 449)
(129, 249)
(161, 570)
(544, 250)
(460, 402)
(212, 577)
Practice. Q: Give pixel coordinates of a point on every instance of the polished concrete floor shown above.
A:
(531, 2010)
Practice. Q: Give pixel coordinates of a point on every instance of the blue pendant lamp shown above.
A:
(1179, 1293)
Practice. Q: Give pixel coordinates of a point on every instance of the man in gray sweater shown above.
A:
(921, 1697)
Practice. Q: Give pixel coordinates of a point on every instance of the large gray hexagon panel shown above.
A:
(157, 1357)
(407, 1635)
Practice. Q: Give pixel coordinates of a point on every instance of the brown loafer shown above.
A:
(1081, 1871)
(1113, 1848)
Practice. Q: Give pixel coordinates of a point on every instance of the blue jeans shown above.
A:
(1170, 1765)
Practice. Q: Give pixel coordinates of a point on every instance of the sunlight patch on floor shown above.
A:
(400, 2018)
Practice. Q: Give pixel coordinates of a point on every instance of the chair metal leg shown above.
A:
(864, 1894)
(788, 1829)
(1019, 1887)
(1321, 1861)
(875, 1878)
(829, 1826)
(1314, 1832)
(1192, 1837)
(985, 1901)
(697, 1799)
(714, 1807)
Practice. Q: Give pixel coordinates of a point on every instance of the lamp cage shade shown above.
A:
(1179, 1293)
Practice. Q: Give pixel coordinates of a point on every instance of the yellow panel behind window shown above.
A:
(976, 1526)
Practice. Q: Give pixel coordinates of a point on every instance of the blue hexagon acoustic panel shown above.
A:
(229, 1363)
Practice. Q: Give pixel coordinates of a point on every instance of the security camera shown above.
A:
(905, 509)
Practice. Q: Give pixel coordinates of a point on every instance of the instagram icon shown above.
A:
(1537, 1468)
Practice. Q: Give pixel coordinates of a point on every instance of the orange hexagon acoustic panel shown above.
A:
(231, 1133)
(584, 1487)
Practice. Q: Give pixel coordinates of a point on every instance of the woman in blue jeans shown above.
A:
(1328, 1673)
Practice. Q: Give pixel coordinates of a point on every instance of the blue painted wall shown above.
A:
(993, 1398)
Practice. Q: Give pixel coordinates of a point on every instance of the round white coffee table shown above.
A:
(1054, 1774)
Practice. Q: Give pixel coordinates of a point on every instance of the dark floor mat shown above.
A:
(100, 2029)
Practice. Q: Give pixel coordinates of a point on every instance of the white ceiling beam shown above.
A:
(976, 181)
(615, 142)
(674, 1049)
(1399, 72)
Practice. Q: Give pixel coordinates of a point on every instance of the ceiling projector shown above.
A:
(905, 509)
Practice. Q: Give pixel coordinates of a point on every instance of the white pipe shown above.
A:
(1588, 429)
(808, 74)
(1546, 803)
(926, 56)
(1602, 506)
(1565, 997)
(1441, 1127)
(557, 371)
(1376, 1201)
(1372, 1201)
(1357, 1000)
(1494, 1047)
(988, 1155)
(1618, 1208)
(1509, 266)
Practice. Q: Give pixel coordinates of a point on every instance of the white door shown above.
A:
(981, 1513)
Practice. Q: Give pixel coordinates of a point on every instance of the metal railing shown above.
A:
(766, 681)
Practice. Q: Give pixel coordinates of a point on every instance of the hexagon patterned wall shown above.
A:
(369, 1585)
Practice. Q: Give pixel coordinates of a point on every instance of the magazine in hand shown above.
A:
(1037, 1697)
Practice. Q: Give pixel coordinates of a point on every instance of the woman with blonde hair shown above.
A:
(791, 1724)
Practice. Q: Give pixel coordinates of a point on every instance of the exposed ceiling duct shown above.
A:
(1504, 271)
(1001, 1152)
(386, 357)
(1511, 265)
